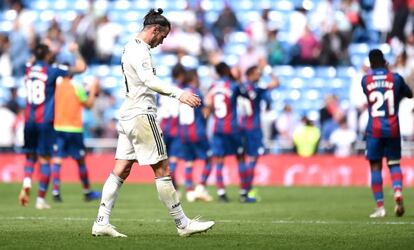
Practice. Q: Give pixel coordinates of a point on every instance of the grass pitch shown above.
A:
(285, 218)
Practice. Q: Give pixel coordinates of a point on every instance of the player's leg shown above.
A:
(30, 145)
(393, 154)
(168, 196)
(110, 191)
(57, 163)
(24, 195)
(219, 151)
(374, 154)
(45, 172)
(78, 152)
(47, 139)
(89, 194)
(203, 152)
(188, 181)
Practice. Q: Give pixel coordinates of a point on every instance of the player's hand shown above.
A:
(190, 99)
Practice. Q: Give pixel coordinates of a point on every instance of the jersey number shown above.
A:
(35, 92)
(378, 98)
(220, 107)
(186, 115)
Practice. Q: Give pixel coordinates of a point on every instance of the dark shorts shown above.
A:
(253, 142)
(226, 144)
(69, 144)
(173, 145)
(39, 138)
(191, 151)
(377, 148)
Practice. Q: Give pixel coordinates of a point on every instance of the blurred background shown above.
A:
(316, 48)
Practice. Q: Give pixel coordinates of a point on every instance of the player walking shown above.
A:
(384, 91)
(140, 136)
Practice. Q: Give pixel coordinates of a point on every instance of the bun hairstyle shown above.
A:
(155, 17)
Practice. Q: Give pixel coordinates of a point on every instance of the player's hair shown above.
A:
(41, 51)
(155, 17)
(178, 70)
(223, 70)
(376, 59)
(251, 70)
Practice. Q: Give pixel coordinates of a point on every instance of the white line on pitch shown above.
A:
(221, 221)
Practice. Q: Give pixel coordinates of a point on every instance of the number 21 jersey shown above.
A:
(384, 91)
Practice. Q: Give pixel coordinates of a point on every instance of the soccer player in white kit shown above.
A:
(140, 137)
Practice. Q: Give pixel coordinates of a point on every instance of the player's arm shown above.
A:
(88, 100)
(146, 74)
(80, 64)
(407, 92)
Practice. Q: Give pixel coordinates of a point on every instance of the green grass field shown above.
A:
(286, 218)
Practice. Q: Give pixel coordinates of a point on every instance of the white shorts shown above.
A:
(141, 139)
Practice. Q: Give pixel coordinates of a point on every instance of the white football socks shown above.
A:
(168, 196)
(109, 196)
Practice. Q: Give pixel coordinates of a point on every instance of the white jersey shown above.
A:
(137, 68)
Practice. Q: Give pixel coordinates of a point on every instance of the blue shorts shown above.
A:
(223, 144)
(173, 144)
(377, 148)
(39, 138)
(253, 142)
(191, 151)
(69, 144)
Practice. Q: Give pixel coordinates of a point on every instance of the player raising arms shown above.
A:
(222, 100)
(384, 91)
(251, 125)
(39, 135)
(193, 136)
(140, 137)
(70, 99)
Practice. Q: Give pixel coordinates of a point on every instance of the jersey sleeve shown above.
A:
(80, 92)
(405, 89)
(363, 84)
(61, 70)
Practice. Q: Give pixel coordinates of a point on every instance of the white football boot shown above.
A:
(201, 194)
(41, 204)
(106, 230)
(379, 213)
(195, 226)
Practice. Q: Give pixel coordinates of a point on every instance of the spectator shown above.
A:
(275, 53)
(13, 104)
(306, 138)
(285, 126)
(225, 24)
(6, 128)
(382, 18)
(5, 60)
(400, 9)
(309, 49)
(107, 34)
(334, 48)
(342, 139)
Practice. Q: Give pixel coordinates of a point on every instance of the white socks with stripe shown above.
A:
(109, 196)
(168, 196)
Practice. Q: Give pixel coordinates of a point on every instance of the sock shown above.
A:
(28, 172)
(396, 177)
(168, 195)
(83, 176)
(109, 195)
(244, 178)
(56, 178)
(250, 172)
(219, 176)
(173, 167)
(44, 179)
(189, 178)
(206, 173)
(376, 186)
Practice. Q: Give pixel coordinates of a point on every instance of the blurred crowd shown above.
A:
(297, 33)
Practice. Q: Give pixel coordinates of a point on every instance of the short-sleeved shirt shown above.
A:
(384, 91)
(137, 68)
(40, 81)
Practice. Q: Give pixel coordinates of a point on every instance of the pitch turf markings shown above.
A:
(373, 222)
